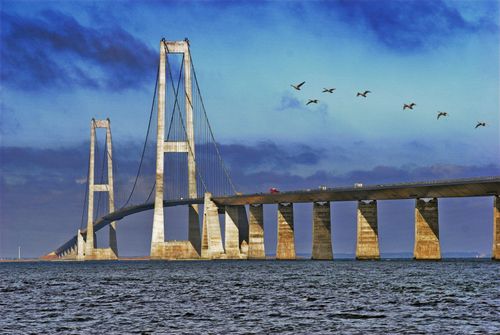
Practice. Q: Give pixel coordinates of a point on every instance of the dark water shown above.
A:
(302, 297)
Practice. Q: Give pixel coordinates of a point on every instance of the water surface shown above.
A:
(250, 297)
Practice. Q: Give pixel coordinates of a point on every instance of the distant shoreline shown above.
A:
(126, 259)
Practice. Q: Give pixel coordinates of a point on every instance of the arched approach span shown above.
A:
(123, 212)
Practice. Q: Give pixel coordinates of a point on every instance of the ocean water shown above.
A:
(250, 297)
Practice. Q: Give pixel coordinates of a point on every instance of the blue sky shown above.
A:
(63, 63)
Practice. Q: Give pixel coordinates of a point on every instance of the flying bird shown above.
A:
(480, 124)
(363, 94)
(442, 114)
(409, 106)
(297, 87)
(312, 101)
(328, 90)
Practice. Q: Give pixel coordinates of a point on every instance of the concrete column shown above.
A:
(322, 235)
(367, 246)
(80, 246)
(426, 230)
(158, 232)
(256, 248)
(194, 234)
(243, 231)
(286, 240)
(90, 243)
(111, 194)
(211, 243)
(231, 243)
(194, 217)
(496, 228)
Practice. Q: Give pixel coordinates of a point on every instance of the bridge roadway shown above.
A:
(471, 187)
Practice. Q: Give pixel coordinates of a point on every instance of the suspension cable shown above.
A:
(208, 123)
(146, 139)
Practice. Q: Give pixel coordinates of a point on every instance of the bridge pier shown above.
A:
(286, 239)
(243, 230)
(211, 241)
(322, 237)
(367, 244)
(80, 246)
(232, 236)
(496, 228)
(426, 230)
(256, 248)
(236, 232)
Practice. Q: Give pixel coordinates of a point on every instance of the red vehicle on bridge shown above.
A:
(273, 190)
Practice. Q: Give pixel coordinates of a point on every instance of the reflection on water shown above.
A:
(251, 297)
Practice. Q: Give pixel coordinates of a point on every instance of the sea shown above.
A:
(251, 297)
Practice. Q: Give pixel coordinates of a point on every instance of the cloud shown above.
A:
(408, 26)
(288, 102)
(268, 155)
(9, 124)
(55, 50)
(284, 180)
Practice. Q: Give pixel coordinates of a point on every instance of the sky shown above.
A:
(65, 62)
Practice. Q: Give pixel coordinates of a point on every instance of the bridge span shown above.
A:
(366, 195)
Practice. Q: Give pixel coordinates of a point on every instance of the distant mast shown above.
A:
(19, 252)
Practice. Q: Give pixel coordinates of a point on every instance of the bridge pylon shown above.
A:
(159, 248)
(91, 251)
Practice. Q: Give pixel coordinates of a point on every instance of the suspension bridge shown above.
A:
(190, 172)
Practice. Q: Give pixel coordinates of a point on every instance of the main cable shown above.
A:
(145, 140)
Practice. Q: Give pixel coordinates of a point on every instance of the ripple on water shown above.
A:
(250, 297)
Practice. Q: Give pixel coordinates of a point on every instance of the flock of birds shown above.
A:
(364, 95)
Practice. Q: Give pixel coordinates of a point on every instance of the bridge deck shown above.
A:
(434, 189)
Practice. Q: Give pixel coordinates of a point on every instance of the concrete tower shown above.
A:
(159, 249)
(91, 252)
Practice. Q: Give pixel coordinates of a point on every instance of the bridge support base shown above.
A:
(194, 234)
(236, 245)
(367, 245)
(496, 229)
(322, 238)
(426, 230)
(80, 246)
(286, 240)
(232, 238)
(101, 254)
(256, 248)
(211, 241)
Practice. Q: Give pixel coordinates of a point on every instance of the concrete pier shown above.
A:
(286, 239)
(80, 246)
(243, 231)
(367, 245)
(256, 248)
(236, 232)
(426, 230)
(211, 241)
(232, 236)
(496, 228)
(322, 234)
